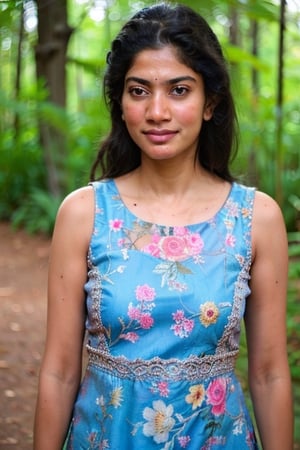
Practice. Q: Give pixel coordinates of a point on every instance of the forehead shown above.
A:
(159, 62)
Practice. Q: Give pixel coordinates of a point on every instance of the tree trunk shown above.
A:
(50, 53)
(279, 107)
(252, 163)
(18, 72)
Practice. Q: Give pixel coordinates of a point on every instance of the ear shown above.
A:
(209, 108)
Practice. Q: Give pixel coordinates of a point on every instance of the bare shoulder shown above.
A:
(78, 205)
(266, 210)
(76, 214)
(268, 222)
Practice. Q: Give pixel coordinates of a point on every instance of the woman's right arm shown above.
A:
(60, 372)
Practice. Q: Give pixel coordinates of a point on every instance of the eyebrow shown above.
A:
(171, 81)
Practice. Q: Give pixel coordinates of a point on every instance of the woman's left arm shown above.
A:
(265, 319)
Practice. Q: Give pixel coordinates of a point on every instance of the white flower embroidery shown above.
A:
(160, 421)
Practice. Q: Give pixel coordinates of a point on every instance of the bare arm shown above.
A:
(61, 366)
(269, 376)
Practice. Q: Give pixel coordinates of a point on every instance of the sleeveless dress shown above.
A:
(163, 328)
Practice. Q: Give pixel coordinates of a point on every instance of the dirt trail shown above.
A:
(23, 275)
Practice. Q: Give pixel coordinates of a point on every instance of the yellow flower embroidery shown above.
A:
(209, 313)
(116, 397)
(196, 395)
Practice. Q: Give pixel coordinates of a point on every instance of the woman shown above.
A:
(160, 260)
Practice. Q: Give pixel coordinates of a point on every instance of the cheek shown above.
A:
(191, 116)
(132, 115)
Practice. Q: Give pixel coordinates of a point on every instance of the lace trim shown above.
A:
(193, 368)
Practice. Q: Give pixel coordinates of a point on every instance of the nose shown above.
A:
(158, 108)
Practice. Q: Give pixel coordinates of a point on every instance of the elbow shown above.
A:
(67, 375)
(265, 376)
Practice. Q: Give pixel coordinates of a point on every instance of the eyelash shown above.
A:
(137, 91)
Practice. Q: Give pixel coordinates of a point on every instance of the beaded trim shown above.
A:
(193, 368)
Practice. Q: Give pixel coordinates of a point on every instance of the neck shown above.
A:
(171, 196)
(172, 182)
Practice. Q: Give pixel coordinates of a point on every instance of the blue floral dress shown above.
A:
(163, 327)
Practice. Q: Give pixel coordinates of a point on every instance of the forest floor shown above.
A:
(23, 282)
(23, 275)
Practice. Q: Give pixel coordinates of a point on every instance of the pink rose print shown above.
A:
(116, 224)
(177, 247)
(183, 326)
(216, 395)
(194, 243)
(174, 248)
(145, 293)
(146, 321)
(133, 313)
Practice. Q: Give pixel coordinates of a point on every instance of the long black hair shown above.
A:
(198, 47)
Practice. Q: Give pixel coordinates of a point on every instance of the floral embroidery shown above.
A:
(184, 441)
(238, 426)
(232, 207)
(230, 240)
(196, 396)
(139, 316)
(169, 271)
(115, 399)
(145, 292)
(209, 313)
(159, 421)
(177, 247)
(116, 224)
(212, 441)
(130, 336)
(216, 395)
(96, 439)
(183, 326)
(165, 425)
(162, 387)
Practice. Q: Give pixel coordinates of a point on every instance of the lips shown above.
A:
(159, 136)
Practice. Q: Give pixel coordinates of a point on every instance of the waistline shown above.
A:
(192, 368)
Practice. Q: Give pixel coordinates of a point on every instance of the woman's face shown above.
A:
(164, 105)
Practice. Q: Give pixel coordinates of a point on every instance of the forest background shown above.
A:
(53, 115)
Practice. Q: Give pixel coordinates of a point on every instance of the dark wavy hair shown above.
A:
(198, 47)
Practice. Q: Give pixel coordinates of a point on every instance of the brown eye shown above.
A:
(179, 91)
(137, 91)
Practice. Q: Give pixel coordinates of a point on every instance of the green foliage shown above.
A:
(38, 212)
(293, 323)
